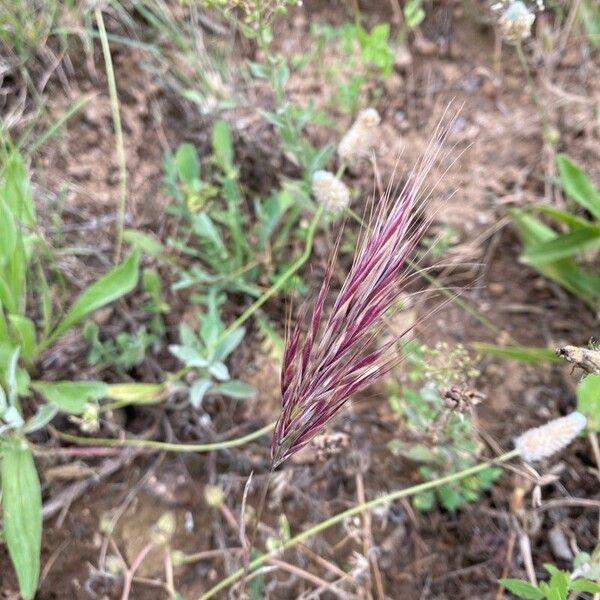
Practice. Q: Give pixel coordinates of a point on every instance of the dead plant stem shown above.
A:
(116, 117)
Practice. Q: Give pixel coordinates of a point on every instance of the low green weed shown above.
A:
(450, 439)
(562, 252)
(204, 353)
(233, 247)
(558, 587)
(26, 294)
(364, 56)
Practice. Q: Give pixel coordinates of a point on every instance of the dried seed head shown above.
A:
(515, 22)
(330, 192)
(360, 138)
(338, 356)
(542, 442)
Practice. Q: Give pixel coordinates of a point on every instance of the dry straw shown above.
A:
(542, 442)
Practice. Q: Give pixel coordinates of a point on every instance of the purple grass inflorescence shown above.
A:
(338, 356)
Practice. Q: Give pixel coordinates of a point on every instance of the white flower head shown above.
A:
(330, 192)
(542, 442)
(516, 22)
(360, 138)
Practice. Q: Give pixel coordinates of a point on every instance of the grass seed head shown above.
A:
(339, 356)
(330, 192)
(542, 442)
(360, 138)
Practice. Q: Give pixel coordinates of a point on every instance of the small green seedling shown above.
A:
(204, 353)
(559, 586)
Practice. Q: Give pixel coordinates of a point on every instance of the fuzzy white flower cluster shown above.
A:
(542, 442)
(516, 22)
(360, 138)
(330, 192)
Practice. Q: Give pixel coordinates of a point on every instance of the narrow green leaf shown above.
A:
(198, 390)
(563, 216)
(71, 396)
(147, 243)
(229, 344)
(22, 513)
(563, 246)
(524, 354)
(118, 282)
(219, 370)
(585, 586)
(578, 186)
(25, 335)
(566, 272)
(204, 228)
(522, 589)
(42, 417)
(11, 376)
(235, 389)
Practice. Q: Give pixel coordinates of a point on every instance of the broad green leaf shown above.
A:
(585, 585)
(187, 164)
(559, 582)
(450, 497)
(45, 413)
(522, 589)
(223, 147)
(555, 594)
(588, 400)
(563, 246)
(25, 335)
(235, 389)
(118, 282)
(578, 186)
(229, 344)
(22, 513)
(71, 396)
(524, 354)
(197, 391)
